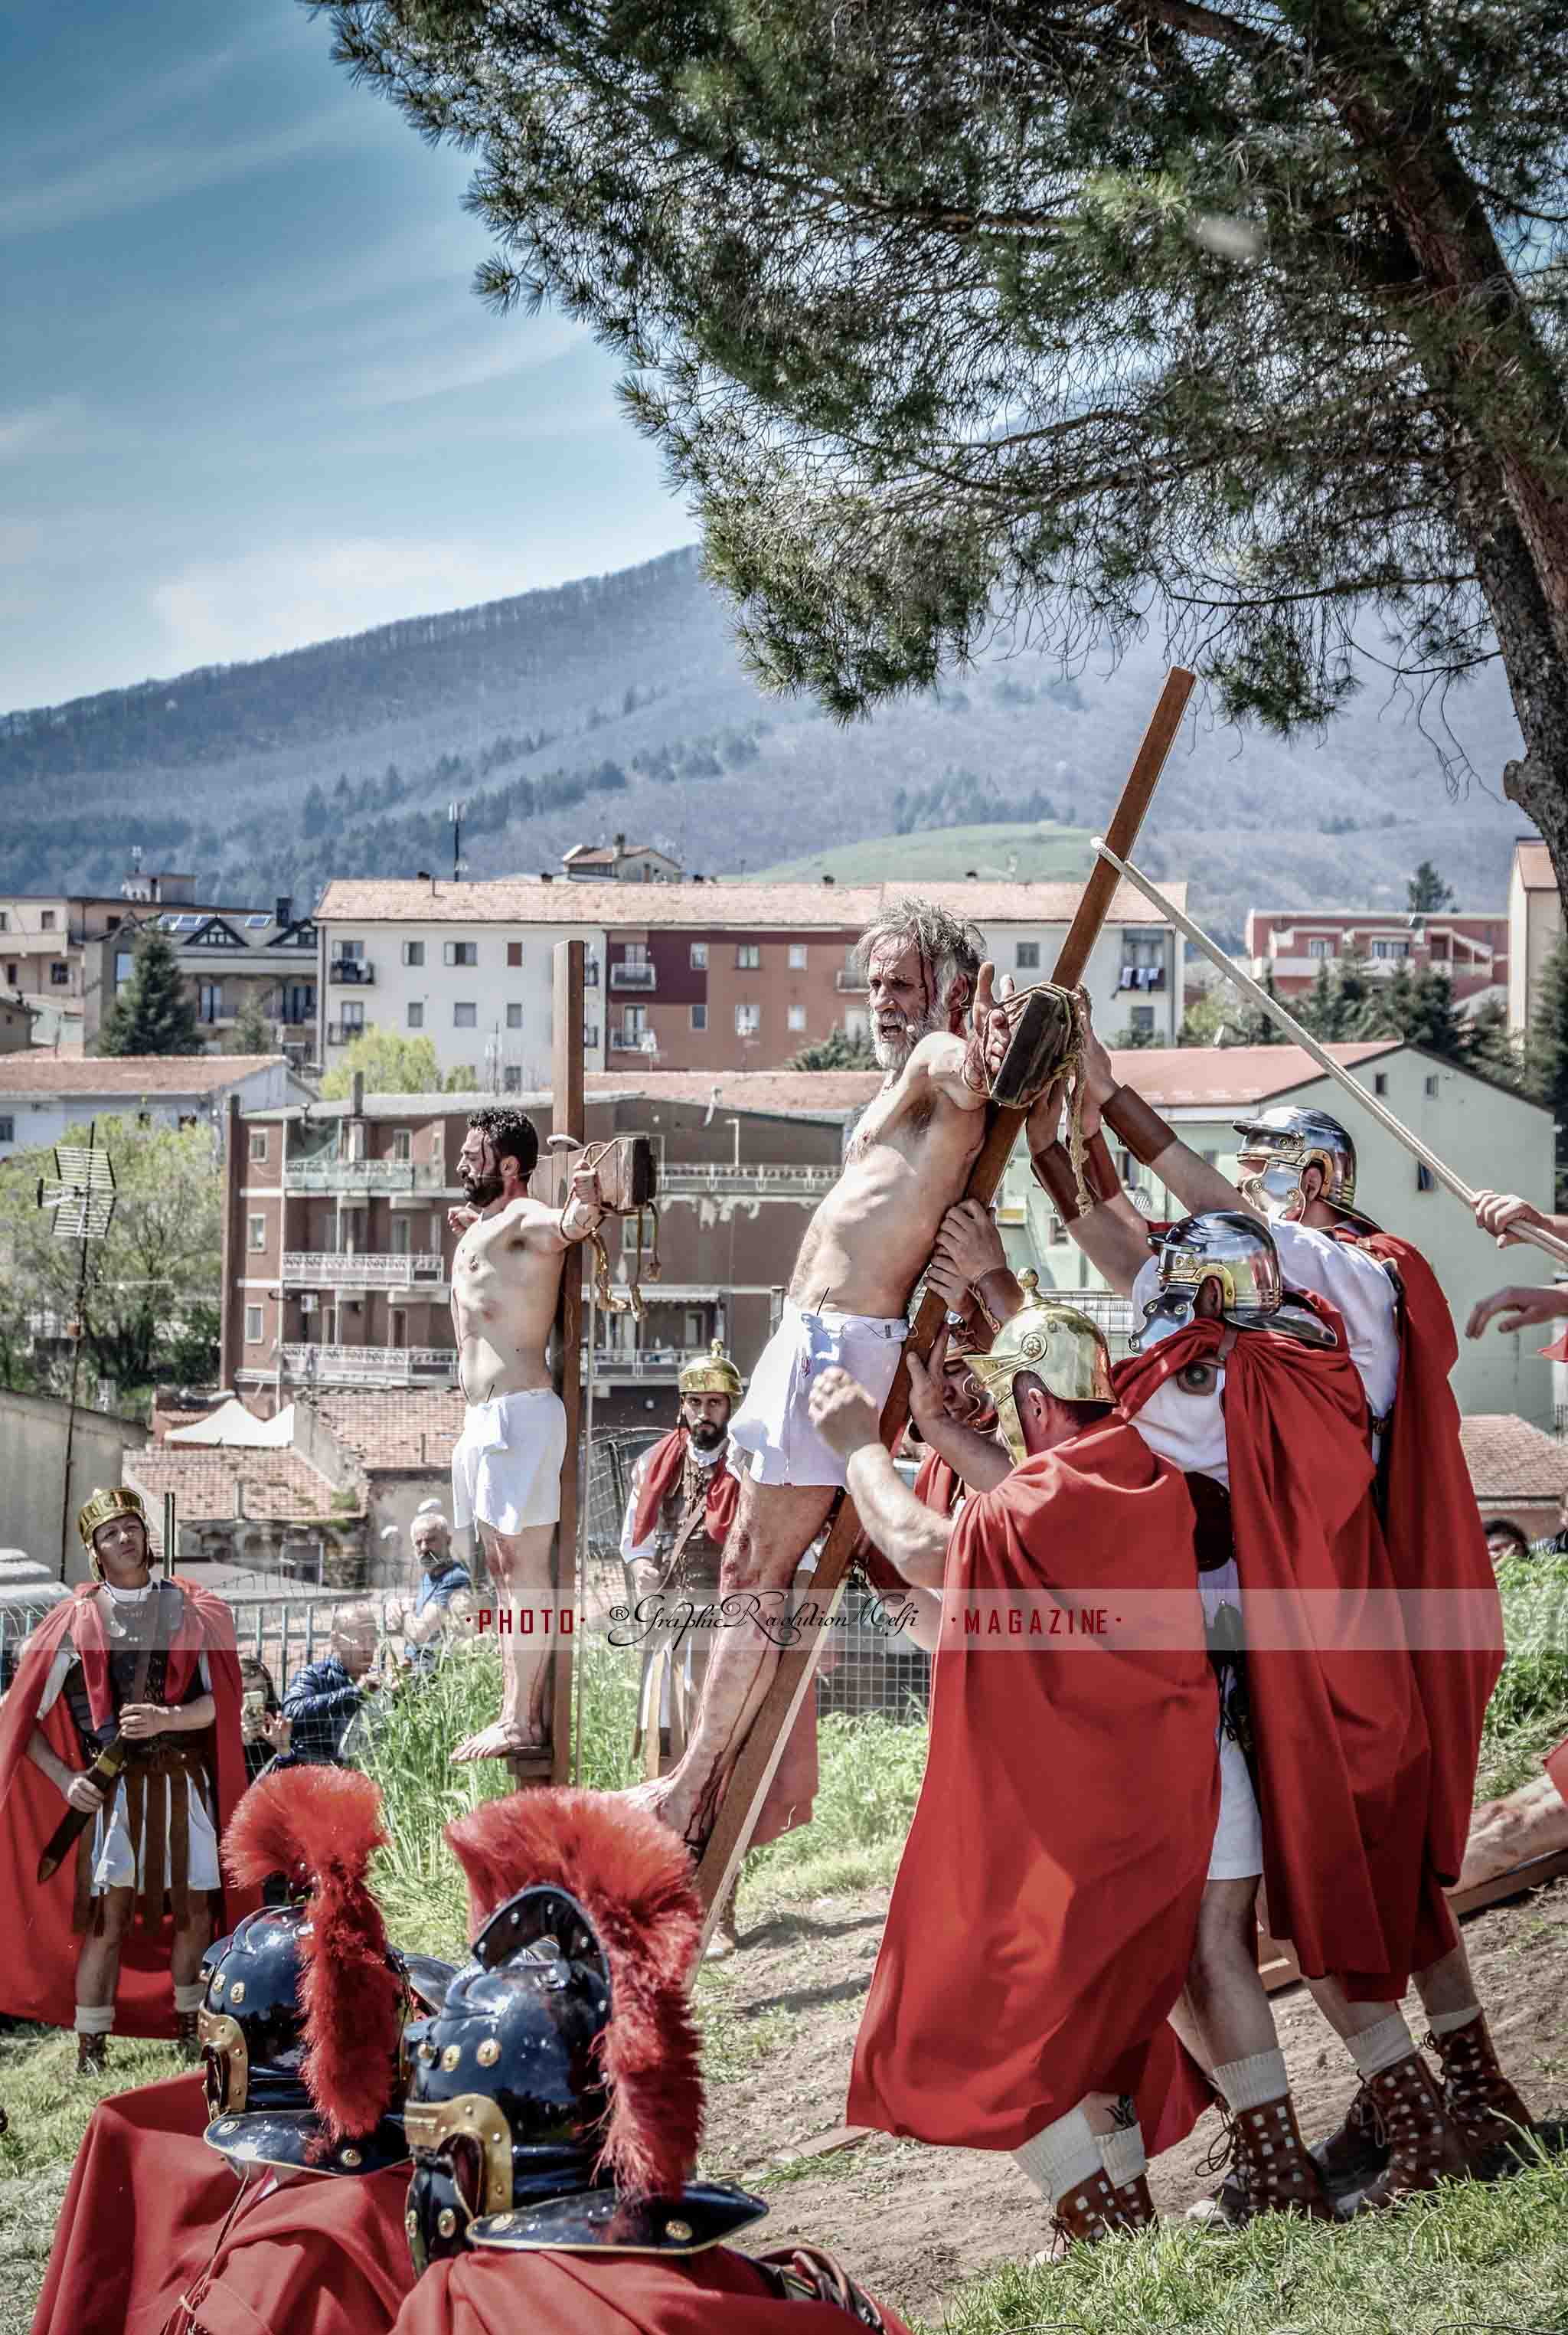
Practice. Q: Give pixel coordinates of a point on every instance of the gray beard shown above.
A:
(892, 1054)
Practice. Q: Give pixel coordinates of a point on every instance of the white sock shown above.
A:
(190, 1996)
(1123, 2155)
(1248, 2083)
(1448, 2022)
(1061, 2158)
(1380, 2047)
(94, 2018)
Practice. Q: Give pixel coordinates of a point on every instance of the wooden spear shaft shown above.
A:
(761, 1753)
(1286, 1021)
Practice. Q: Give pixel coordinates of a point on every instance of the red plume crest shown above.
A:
(319, 1826)
(633, 1878)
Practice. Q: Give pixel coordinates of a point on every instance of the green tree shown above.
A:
(155, 1012)
(1546, 1053)
(1427, 894)
(1136, 1040)
(1419, 1008)
(252, 1033)
(1344, 1003)
(836, 1052)
(1248, 314)
(153, 1286)
(391, 1064)
(1491, 1047)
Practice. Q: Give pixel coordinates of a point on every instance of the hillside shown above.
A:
(620, 703)
(1037, 853)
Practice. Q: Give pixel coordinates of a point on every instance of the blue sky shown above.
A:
(247, 398)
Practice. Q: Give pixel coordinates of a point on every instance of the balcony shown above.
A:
(1148, 980)
(386, 1366)
(779, 1181)
(351, 1268)
(849, 983)
(350, 973)
(657, 1365)
(628, 1040)
(357, 1176)
(633, 976)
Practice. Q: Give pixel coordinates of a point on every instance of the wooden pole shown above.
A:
(761, 1753)
(1115, 860)
(568, 1118)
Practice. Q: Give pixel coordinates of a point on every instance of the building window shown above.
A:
(258, 1142)
(1141, 1017)
(512, 1078)
(402, 1144)
(416, 1015)
(514, 1017)
(257, 1235)
(4, 920)
(11, 976)
(1380, 1083)
(7, 1130)
(1319, 948)
(748, 957)
(699, 1017)
(353, 1018)
(413, 952)
(208, 1000)
(699, 956)
(1425, 1180)
(797, 956)
(1431, 1085)
(59, 974)
(460, 952)
(1391, 948)
(348, 952)
(513, 953)
(798, 1017)
(1026, 956)
(46, 921)
(253, 1325)
(747, 1021)
(465, 1017)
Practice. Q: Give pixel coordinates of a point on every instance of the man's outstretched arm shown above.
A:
(909, 1535)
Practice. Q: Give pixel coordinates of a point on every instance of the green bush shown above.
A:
(1528, 1713)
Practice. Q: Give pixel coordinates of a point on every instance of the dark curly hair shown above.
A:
(512, 1132)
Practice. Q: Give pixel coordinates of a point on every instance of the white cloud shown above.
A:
(30, 425)
(284, 598)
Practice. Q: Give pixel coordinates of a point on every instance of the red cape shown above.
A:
(38, 1948)
(716, 2293)
(661, 1474)
(1043, 1915)
(1557, 1766)
(318, 2256)
(1344, 1762)
(1437, 1546)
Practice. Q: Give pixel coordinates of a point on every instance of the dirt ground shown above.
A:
(909, 2220)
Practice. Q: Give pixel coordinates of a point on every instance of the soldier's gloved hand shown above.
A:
(843, 1413)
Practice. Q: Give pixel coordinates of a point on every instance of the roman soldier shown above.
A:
(120, 1757)
(556, 2103)
(227, 2199)
(684, 1495)
(1072, 1912)
(1298, 1169)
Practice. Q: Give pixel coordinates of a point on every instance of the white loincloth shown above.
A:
(506, 1462)
(772, 1435)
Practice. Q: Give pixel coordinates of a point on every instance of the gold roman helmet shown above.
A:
(715, 1374)
(1054, 1343)
(1290, 1140)
(101, 1509)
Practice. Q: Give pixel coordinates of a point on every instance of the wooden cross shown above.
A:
(763, 1747)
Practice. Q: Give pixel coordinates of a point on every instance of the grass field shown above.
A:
(1037, 852)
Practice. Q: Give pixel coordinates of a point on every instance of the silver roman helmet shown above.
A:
(1238, 1255)
(1289, 1140)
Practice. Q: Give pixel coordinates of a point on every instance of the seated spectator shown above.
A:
(263, 1727)
(325, 1697)
(443, 1578)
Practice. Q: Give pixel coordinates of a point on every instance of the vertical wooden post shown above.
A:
(568, 1118)
(761, 1753)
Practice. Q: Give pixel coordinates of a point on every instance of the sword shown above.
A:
(105, 1772)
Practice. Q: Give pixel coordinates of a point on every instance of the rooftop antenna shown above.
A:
(81, 1200)
(455, 810)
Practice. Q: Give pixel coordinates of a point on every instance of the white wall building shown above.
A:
(41, 1094)
(1489, 1136)
(1534, 928)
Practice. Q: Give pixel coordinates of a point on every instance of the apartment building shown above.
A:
(1295, 944)
(41, 1094)
(1534, 927)
(620, 863)
(1479, 1129)
(337, 1251)
(682, 976)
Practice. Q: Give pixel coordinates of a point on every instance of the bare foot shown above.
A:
(661, 1796)
(1529, 1823)
(499, 1740)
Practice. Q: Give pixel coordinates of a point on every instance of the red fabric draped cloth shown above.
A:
(1557, 1766)
(1344, 1760)
(1438, 1549)
(38, 1949)
(662, 1474)
(1043, 1915)
(715, 2292)
(319, 2255)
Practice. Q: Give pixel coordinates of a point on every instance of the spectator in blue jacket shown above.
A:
(324, 1698)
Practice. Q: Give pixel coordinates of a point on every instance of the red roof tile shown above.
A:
(280, 1487)
(756, 907)
(1533, 862)
(39, 1071)
(1509, 1459)
(394, 1426)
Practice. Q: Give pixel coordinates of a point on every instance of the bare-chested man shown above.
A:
(865, 1249)
(506, 1463)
